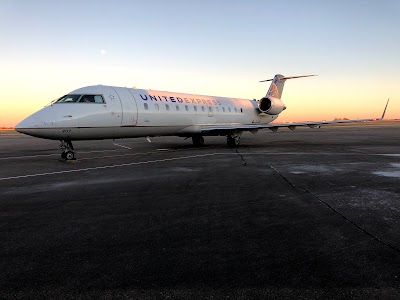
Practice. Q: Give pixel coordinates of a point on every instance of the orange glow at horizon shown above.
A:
(307, 99)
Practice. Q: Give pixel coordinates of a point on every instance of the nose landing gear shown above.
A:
(68, 153)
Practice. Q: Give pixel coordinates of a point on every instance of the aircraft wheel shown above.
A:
(198, 140)
(69, 155)
(233, 142)
(237, 141)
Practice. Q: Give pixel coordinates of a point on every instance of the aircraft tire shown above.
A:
(198, 140)
(69, 155)
(233, 142)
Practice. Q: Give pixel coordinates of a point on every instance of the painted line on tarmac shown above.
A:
(56, 154)
(122, 146)
(112, 166)
(181, 158)
(116, 156)
(27, 156)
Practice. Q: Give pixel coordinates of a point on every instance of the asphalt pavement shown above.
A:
(310, 213)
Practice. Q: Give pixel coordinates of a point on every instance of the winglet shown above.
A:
(384, 111)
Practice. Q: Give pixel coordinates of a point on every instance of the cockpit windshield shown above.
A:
(72, 98)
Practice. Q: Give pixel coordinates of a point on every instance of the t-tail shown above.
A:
(272, 104)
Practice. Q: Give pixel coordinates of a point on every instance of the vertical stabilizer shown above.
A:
(276, 88)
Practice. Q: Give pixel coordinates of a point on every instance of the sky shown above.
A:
(208, 47)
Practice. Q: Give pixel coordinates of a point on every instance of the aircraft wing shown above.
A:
(275, 127)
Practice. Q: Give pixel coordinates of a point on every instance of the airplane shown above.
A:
(109, 112)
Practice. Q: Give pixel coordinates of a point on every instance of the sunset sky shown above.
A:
(211, 47)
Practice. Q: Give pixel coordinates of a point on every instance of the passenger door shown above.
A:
(129, 107)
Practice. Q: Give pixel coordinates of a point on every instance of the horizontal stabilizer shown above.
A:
(289, 77)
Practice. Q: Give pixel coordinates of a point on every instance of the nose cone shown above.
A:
(35, 126)
(27, 125)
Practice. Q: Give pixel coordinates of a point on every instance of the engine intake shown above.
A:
(271, 106)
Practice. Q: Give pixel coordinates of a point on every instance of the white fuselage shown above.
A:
(127, 112)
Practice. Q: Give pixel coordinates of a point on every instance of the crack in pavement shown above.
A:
(243, 161)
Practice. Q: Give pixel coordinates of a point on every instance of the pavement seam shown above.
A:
(366, 232)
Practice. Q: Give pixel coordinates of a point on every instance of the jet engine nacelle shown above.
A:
(271, 106)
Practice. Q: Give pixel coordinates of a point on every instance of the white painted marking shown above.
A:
(253, 153)
(55, 154)
(172, 159)
(122, 146)
(27, 156)
(112, 166)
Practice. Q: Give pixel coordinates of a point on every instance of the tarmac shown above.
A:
(310, 213)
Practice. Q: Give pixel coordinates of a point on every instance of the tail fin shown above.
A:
(276, 88)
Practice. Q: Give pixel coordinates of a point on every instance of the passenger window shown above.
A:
(203, 109)
(229, 109)
(241, 110)
(223, 109)
(166, 106)
(187, 108)
(210, 109)
(217, 109)
(156, 106)
(195, 108)
(146, 106)
(177, 108)
(235, 110)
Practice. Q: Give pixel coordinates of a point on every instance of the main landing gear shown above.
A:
(68, 153)
(198, 140)
(233, 140)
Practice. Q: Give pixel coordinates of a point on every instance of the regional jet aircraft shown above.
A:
(109, 112)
